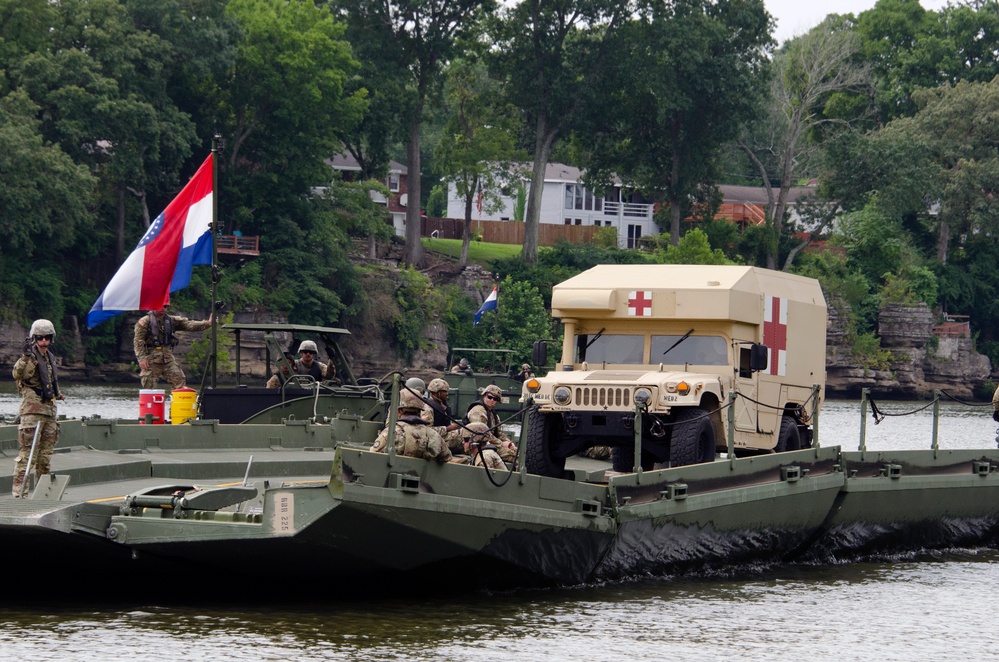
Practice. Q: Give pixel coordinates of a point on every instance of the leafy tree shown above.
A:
(808, 73)
(519, 320)
(417, 36)
(549, 52)
(477, 144)
(693, 248)
(699, 64)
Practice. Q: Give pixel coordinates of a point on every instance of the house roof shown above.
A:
(757, 195)
(348, 162)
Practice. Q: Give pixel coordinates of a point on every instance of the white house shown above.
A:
(395, 180)
(565, 201)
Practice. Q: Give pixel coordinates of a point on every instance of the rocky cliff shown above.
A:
(920, 362)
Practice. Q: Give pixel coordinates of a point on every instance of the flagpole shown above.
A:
(217, 147)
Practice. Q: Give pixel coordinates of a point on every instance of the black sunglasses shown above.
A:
(490, 397)
(47, 337)
(306, 351)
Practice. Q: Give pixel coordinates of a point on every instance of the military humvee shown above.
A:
(673, 342)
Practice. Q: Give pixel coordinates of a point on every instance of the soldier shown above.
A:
(995, 405)
(525, 373)
(154, 342)
(463, 366)
(413, 437)
(437, 412)
(480, 444)
(307, 365)
(38, 384)
(483, 411)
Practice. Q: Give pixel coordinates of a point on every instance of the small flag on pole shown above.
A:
(179, 238)
(488, 304)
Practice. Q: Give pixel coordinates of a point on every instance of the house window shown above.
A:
(579, 221)
(577, 197)
(393, 181)
(568, 221)
(634, 234)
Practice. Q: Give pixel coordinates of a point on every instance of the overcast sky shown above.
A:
(797, 16)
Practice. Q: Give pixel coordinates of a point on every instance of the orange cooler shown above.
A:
(183, 405)
(151, 401)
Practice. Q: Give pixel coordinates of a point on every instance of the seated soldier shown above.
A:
(283, 374)
(413, 436)
(480, 445)
(463, 366)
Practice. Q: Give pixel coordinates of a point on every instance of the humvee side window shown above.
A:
(610, 349)
(698, 350)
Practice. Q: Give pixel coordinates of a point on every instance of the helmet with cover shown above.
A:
(409, 401)
(477, 432)
(493, 390)
(308, 346)
(42, 328)
(438, 385)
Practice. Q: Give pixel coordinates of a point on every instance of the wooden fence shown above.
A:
(507, 232)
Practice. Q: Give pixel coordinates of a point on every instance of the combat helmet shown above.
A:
(416, 384)
(438, 385)
(308, 346)
(463, 363)
(477, 431)
(42, 328)
(492, 389)
(410, 401)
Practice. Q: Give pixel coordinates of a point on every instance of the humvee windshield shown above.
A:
(700, 350)
(610, 348)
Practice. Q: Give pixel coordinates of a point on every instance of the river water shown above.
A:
(932, 606)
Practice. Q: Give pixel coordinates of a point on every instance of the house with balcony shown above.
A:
(395, 180)
(565, 201)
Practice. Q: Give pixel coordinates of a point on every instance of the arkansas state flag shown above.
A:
(488, 304)
(178, 239)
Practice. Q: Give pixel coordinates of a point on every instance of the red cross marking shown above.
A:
(775, 333)
(639, 302)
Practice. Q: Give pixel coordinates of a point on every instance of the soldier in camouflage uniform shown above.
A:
(483, 411)
(154, 342)
(479, 444)
(35, 375)
(413, 437)
(437, 412)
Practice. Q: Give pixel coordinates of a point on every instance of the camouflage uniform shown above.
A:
(413, 437)
(479, 413)
(476, 435)
(159, 353)
(438, 414)
(35, 410)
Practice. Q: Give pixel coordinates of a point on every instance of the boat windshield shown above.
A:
(610, 348)
(698, 350)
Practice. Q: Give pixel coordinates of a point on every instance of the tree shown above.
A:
(478, 140)
(549, 51)
(807, 74)
(418, 37)
(699, 63)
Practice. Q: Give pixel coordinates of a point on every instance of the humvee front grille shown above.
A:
(603, 396)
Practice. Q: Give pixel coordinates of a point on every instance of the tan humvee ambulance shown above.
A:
(676, 341)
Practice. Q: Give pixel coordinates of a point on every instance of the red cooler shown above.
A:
(151, 401)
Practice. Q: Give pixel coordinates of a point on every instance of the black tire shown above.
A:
(623, 459)
(542, 431)
(693, 440)
(788, 439)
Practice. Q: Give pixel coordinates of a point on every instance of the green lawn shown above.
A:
(478, 251)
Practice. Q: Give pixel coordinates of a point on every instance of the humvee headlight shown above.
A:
(643, 396)
(683, 388)
(561, 395)
(533, 385)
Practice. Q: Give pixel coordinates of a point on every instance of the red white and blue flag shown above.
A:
(178, 239)
(488, 304)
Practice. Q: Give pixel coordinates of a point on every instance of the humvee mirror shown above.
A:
(759, 358)
(539, 353)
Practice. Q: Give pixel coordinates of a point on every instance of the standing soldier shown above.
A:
(413, 437)
(35, 375)
(154, 342)
(484, 411)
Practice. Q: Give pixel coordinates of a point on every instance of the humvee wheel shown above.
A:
(788, 439)
(623, 459)
(541, 441)
(693, 440)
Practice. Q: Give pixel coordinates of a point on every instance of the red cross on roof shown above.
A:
(640, 303)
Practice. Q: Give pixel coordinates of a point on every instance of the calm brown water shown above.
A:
(929, 607)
